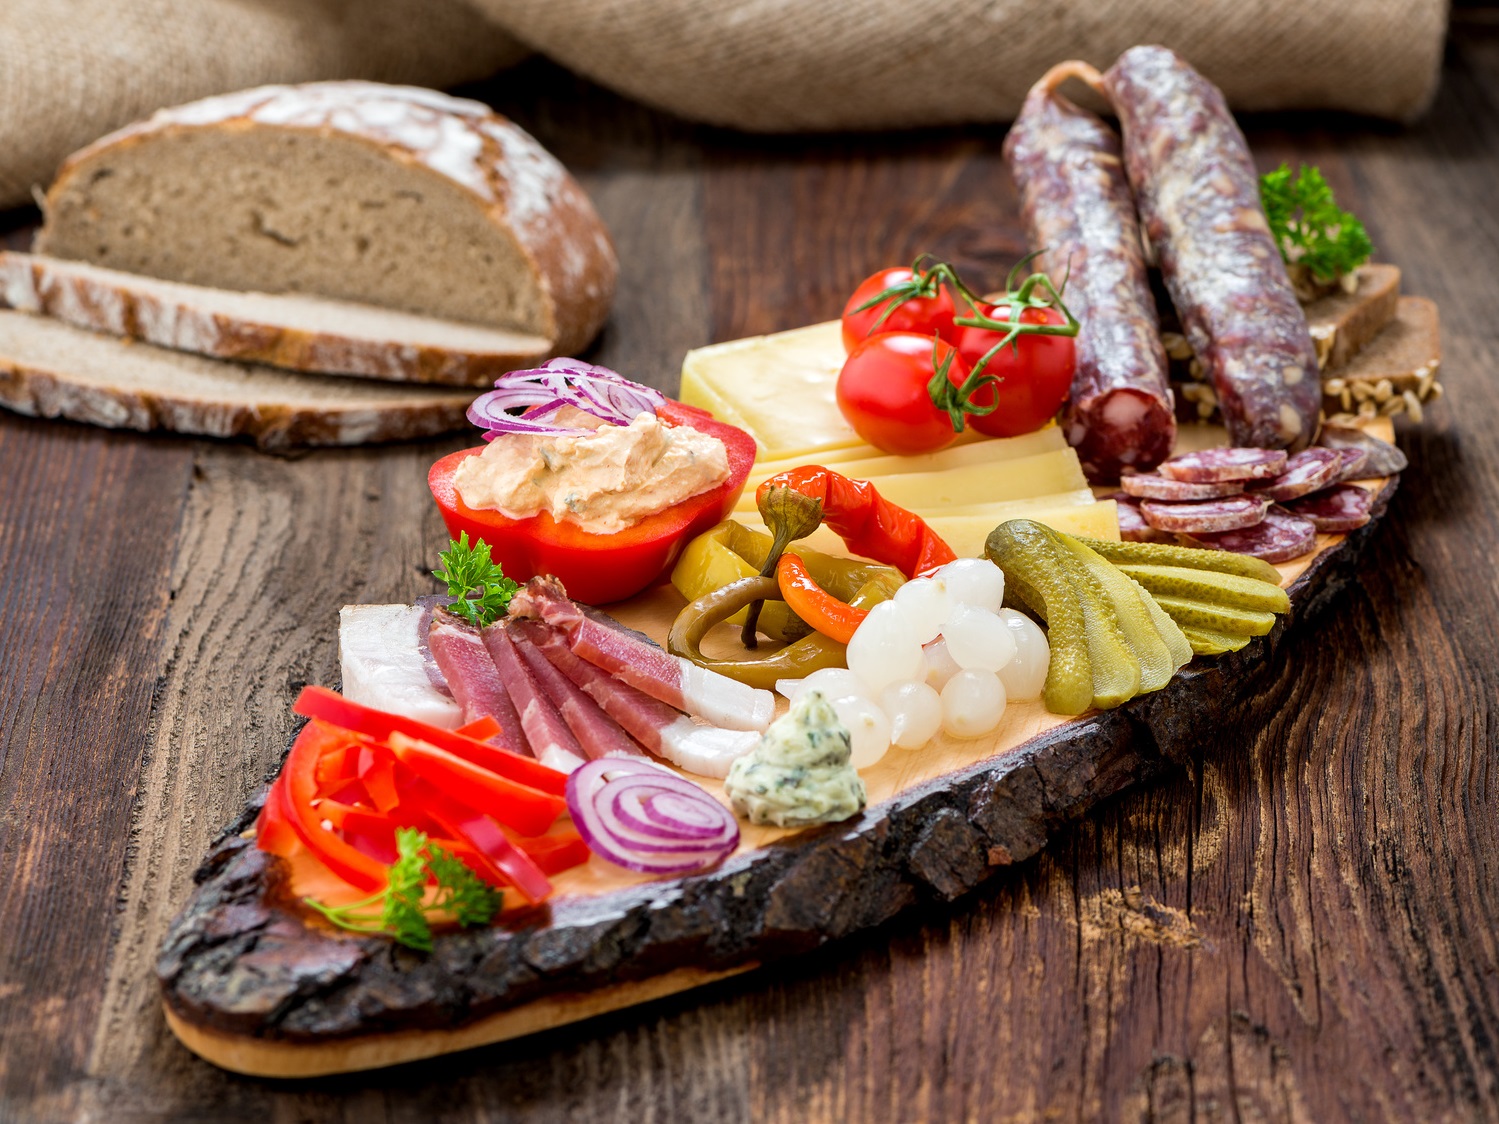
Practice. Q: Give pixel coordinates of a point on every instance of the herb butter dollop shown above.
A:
(800, 772)
(601, 481)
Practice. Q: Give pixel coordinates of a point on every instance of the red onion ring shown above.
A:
(643, 817)
(605, 394)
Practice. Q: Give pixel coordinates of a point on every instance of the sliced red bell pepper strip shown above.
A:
(377, 772)
(330, 706)
(480, 729)
(508, 863)
(598, 569)
(560, 849)
(273, 829)
(867, 523)
(833, 618)
(369, 832)
(299, 776)
(528, 811)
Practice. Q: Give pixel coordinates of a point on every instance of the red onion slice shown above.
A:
(605, 394)
(641, 816)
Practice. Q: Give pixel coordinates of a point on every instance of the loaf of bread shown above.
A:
(288, 330)
(51, 369)
(392, 196)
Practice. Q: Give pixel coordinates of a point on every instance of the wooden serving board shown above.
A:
(254, 985)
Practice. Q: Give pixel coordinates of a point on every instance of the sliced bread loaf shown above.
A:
(1342, 323)
(1395, 373)
(387, 195)
(298, 332)
(52, 369)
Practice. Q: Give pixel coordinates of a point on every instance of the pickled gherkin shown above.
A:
(1219, 588)
(1216, 618)
(1164, 554)
(1206, 643)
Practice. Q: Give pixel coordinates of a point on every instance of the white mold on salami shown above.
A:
(1384, 459)
(1218, 465)
(1230, 513)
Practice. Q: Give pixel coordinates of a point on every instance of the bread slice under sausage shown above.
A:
(387, 195)
(301, 333)
(52, 369)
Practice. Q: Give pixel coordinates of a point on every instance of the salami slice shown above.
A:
(1081, 215)
(1308, 471)
(1205, 516)
(1336, 510)
(1132, 525)
(1384, 458)
(1212, 466)
(1199, 201)
(1279, 537)
(1153, 486)
(1354, 465)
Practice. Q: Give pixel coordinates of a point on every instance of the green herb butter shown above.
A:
(799, 774)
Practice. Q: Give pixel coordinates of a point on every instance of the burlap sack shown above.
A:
(821, 64)
(72, 70)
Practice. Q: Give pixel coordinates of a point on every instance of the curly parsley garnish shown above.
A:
(481, 589)
(401, 909)
(1313, 232)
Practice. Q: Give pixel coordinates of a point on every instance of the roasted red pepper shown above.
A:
(598, 569)
(868, 524)
(809, 601)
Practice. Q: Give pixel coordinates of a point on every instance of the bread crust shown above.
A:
(518, 185)
(173, 314)
(357, 415)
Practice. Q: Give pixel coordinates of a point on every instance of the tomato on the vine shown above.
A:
(921, 304)
(885, 391)
(1034, 372)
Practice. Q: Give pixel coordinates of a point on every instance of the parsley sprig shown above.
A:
(481, 590)
(1313, 232)
(401, 909)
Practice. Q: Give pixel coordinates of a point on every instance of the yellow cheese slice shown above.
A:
(780, 388)
(866, 462)
(995, 482)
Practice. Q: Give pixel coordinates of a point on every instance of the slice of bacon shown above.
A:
(715, 698)
(472, 676)
(550, 739)
(597, 733)
(705, 750)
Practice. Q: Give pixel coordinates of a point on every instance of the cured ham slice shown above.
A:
(715, 698)
(551, 741)
(597, 733)
(705, 750)
(471, 675)
(384, 664)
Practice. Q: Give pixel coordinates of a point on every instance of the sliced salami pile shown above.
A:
(1250, 501)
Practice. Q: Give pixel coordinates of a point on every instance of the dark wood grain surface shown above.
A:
(1302, 925)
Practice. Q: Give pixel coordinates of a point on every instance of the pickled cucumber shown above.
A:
(1207, 585)
(1176, 642)
(1029, 558)
(1206, 643)
(1164, 554)
(1115, 662)
(1205, 616)
(1156, 657)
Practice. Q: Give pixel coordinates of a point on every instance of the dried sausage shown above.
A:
(1081, 217)
(1205, 516)
(1217, 465)
(1308, 471)
(1199, 203)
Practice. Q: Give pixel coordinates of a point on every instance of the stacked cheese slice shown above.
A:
(781, 389)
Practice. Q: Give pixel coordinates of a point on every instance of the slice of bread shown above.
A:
(1394, 374)
(1342, 323)
(300, 333)
(51, 369)
(355, 191)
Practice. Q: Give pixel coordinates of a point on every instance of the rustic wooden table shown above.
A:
(1302, 926)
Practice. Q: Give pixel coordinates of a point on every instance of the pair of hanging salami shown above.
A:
(1184, 171)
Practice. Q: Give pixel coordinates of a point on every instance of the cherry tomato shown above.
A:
(883, 391)
(925, 315)
(1034, 380)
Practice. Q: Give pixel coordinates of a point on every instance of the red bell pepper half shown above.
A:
(598, 569)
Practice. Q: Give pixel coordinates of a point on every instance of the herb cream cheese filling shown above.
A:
(800, 773)
(601, 482)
